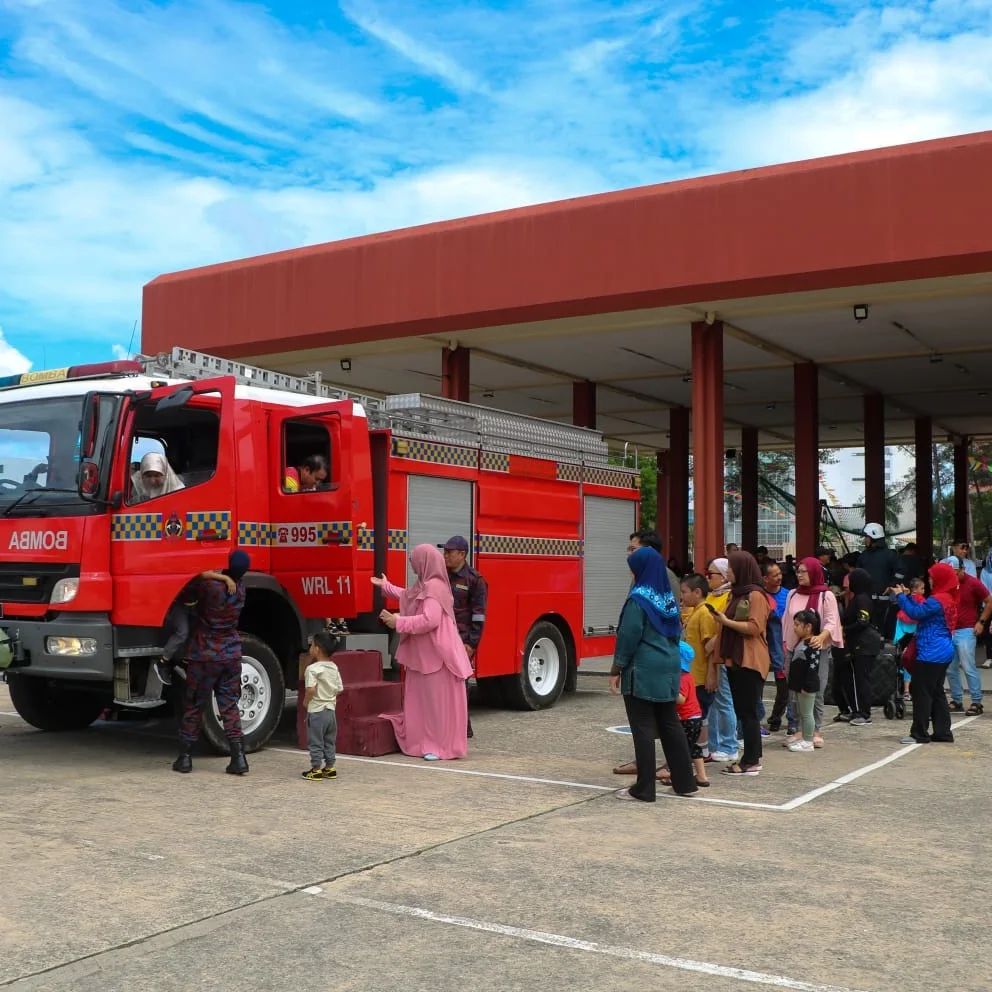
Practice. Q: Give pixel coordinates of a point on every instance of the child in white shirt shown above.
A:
(322, 681)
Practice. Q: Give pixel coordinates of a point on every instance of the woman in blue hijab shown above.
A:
(646, 671)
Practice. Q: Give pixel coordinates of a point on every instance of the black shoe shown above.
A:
(184, 763)
(842, 718)
(774, 727)
(949, 739)
(238, 765)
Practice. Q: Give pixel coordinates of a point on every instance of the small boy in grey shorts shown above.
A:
(322, 682)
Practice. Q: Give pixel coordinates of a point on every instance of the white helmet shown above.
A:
(875, 531)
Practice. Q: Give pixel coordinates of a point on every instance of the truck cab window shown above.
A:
(171, 450)
(307, 461)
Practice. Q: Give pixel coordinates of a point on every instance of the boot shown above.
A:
(238, 765)
(184, 763)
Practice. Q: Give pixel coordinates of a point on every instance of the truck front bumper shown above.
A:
(37, 646)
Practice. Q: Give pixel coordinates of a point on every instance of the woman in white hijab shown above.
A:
(154, 477)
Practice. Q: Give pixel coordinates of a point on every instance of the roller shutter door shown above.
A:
(606, 577)
(439, 509)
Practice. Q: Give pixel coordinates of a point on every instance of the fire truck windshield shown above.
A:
(39, 457)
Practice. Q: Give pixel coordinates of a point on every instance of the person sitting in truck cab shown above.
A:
(307, 477)
(155, 477)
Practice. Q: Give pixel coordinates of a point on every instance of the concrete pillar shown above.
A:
(676, 533)
(961, 516)
(455, 383)
(874, 409)
(924, 488)
(749, 488)
(807, 447)
(584, 404)
(707, 438)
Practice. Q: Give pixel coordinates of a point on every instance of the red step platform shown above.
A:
(366, 694)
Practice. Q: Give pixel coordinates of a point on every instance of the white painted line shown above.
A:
(458, 771)
(808, 797)
(576, 944)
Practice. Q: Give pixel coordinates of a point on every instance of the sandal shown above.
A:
(703, 783)
(955, 707)
(733, 769)
(817, 741)
(976, 709)
(627, 768)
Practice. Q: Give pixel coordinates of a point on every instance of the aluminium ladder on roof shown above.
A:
(413, 415)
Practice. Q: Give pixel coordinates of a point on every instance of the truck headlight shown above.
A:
(64, 591)
(80, 647)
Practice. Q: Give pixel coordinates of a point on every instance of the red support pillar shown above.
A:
(749, 488)
(961, 515)
(924, 488)
(874, 408)
(707, 438)
(807, 444)
(584, 404)
(664, 462)
(675, 536)
(455, 374)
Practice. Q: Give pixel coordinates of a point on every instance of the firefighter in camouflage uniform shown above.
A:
(471, 593)
(213, 668)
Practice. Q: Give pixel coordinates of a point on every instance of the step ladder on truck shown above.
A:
(93, 565)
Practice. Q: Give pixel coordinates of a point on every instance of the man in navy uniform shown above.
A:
(471, 593)
(213, 665)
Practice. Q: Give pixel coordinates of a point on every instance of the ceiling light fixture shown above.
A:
(488, 394)
(860, 311)
(962, 368)
(936, 359)
(687, 378)
(771, 406)
(345, 364)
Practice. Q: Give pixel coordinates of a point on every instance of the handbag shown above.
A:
(908, 659)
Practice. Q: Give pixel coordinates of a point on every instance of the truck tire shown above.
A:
(49, 707)
(263, 695)
(541, 679)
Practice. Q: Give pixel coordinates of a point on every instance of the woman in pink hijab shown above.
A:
(434, 721)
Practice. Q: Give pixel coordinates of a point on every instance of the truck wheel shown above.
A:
(50, 707)
(542, 678)
(263, 694)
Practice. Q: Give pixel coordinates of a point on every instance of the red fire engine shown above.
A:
(91, 565)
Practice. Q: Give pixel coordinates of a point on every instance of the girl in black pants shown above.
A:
(743, 649)
(853, 663)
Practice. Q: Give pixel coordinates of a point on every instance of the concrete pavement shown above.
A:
(119, 874)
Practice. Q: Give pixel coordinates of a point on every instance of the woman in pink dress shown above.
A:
(434, 720)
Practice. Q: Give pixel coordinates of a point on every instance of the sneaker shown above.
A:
(906, 697)
(912, 740)
(861, 721)
(774, 727)
(740, 742)
(329, 773)
(987, 663)
(430, 756)
(842, 718)
(800, 746)
(722, 756)
(313, 775)
(164, 672)
(765, 732)
(792, 731)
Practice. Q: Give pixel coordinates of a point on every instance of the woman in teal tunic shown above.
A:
(646, 670)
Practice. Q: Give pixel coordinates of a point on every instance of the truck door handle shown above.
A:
(209, 535)
(335, 539)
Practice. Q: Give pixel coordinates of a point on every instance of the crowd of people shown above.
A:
(692, 659)
(695, 650)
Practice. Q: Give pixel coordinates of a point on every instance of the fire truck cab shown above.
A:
(323, 489)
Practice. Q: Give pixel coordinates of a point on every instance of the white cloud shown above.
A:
(11, 360)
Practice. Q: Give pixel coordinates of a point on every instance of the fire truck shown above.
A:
(91, 563)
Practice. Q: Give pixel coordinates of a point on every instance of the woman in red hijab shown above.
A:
(936, 619)
(813, 593)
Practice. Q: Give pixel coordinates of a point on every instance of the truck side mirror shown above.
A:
(89, 425)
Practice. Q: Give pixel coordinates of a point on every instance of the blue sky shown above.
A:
(141, 137)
